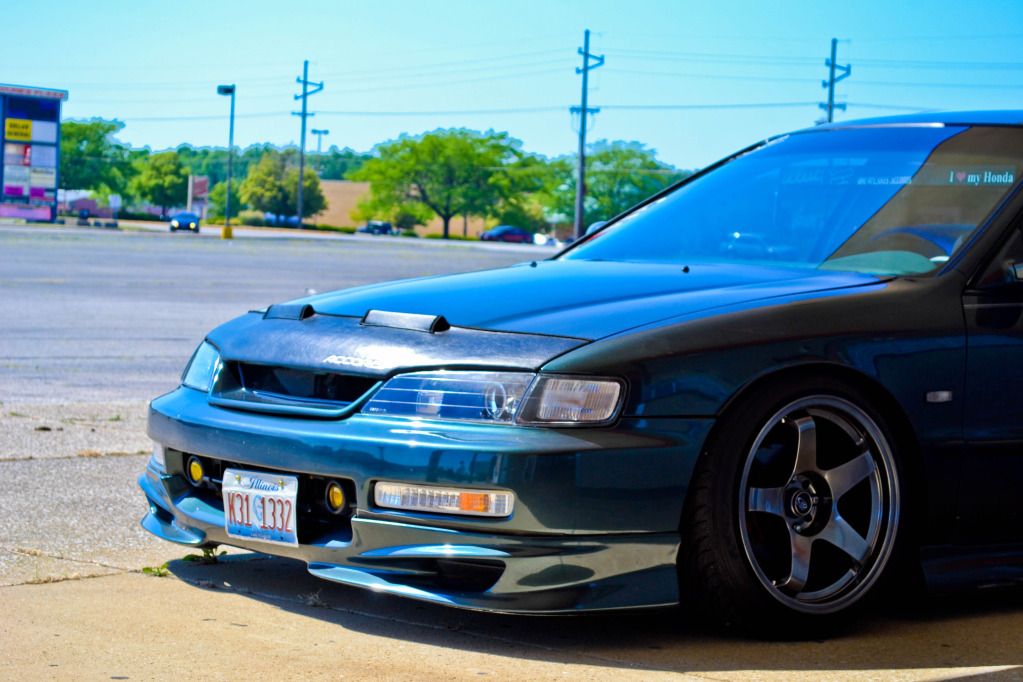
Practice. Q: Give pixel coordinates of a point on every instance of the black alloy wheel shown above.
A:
(794, 511)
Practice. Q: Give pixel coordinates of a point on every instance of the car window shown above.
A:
(886, 200)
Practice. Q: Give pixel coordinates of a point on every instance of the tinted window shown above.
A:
(883, 200)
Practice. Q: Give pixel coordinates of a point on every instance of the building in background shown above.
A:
(30, 121)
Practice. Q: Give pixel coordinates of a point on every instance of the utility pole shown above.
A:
(304, 82)
(829, 84)
(584, 111)
(319, 147)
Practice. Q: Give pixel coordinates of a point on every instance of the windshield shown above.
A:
(883, 200)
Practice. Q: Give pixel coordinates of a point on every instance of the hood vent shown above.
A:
(412, 321)
(289, 311)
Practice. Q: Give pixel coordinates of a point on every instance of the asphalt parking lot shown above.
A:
(96, 322)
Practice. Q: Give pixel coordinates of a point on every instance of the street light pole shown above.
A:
(226, 233)
(319, 133)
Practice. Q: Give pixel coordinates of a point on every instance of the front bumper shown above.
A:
(595, 523)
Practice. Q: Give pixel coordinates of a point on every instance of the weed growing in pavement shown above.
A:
(313, 599)
(209, 555)
(157, 571)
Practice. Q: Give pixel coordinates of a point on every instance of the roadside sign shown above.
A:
(200, 186)
(18, 130)
(30, 132)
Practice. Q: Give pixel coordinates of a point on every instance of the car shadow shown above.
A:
(968, 631)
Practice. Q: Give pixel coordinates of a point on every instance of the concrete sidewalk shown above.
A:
(252, 616)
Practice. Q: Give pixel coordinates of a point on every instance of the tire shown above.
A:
(172, 228)
(794, 511)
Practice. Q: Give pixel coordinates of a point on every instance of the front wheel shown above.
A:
(794, 510)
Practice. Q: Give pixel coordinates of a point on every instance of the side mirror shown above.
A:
(595, 226)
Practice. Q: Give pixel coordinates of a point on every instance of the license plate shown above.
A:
(260, 506)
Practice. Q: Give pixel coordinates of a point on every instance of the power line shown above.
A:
(681, 107)
(711, 76)
(945, 85)
(892, 107)
(713, 57)
(943, 65)
(446, 112)
(523, 110)
(383, 88)
(482, 64)
(891, 39)
(776, 60)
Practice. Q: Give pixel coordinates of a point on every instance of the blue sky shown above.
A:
(388, 63)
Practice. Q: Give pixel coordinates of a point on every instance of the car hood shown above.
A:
(581, 299)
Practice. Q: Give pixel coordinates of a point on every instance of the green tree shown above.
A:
(313, 200)
(161, 179)
(449, 172)
(218, 199)
(527, 187)
(91, 157)
(335, 164)
(619, 175)
(264, 188)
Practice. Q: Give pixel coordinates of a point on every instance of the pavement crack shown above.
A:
(84, 454)
(30, 551)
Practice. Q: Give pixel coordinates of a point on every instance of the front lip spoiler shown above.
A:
(540, 574)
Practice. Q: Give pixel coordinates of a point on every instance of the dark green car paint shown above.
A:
(596, 522)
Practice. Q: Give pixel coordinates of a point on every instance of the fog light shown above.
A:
(444, 500)
(194, 471)
(334, 496)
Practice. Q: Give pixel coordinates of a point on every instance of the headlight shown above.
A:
(203, 368)
(191, 224)
(464, 396)
(499, 397)
(174, 223)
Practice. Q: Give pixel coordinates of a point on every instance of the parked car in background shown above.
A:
(507, 233)
(276, 220)
(184, 221)
(765, 393)
(377, 227)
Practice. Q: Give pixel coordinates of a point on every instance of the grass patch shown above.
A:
(452, 237)
(209, 555)
(157, 571)
(330, 228)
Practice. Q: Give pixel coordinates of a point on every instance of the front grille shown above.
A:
(302, 384)
(284, 390)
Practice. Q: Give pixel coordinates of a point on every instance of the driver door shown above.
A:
(991, 491)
